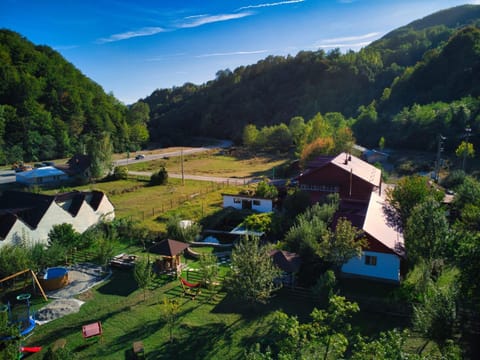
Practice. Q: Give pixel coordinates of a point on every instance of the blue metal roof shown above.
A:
(40, 172)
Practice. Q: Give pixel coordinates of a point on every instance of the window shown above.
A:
(256, 202)
(323, 188)
(370, 260)
(236, 201)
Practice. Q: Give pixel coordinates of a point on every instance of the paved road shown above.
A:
(7, 176)
(222, 144)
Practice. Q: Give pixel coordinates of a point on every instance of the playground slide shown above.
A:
(32, 349)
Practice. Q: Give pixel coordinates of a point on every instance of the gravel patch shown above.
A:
(81, 278)
(56, 309)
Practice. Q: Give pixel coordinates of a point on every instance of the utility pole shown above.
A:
(468, 131)
(441, 139)
(181, 162)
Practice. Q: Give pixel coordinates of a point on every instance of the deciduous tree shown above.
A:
(409, 192)
(143, 274)
(426, 231)
(208, 268)
(100, 149)
(344, 243)
(64, 235)
(253, 272)
(169, 311)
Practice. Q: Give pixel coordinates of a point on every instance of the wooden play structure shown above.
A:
(92, 330)
(190, 289)
(34, 277)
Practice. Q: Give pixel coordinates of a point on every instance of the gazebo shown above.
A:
(170, 251)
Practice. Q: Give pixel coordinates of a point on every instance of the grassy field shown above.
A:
(151, 205)
(215, 163)
(213, 326)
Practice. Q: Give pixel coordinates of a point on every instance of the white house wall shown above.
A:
(85, 218)
(56, 215)
(265, 205)
(106, 210)
(18, 231)
(387, 267)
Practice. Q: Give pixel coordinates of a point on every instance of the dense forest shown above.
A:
(49, 109)
(421, 79)
(418, 81)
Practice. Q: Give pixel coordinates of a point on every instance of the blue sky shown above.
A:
(132, 48)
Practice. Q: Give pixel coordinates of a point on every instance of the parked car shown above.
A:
(139, 156)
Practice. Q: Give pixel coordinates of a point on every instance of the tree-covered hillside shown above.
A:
(430, 61)
(49, 109)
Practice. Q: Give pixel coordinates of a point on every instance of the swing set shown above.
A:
(34, 278)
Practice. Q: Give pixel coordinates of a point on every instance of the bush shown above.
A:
(160, 177)
(454, 179)
(264, 190)
(185, 233)
(120, 173)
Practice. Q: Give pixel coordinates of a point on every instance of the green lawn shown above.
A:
(213, 326)
(215, 164)
(209, 327)
(152, 205)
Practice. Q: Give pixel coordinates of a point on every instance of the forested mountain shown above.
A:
(49, 109)
(430, 66)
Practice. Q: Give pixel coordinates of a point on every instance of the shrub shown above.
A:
(120, 173)
(160, 177)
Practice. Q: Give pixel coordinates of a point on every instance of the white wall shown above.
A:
(265, 205)
(387, 267)
(56, 215)
(17, 233)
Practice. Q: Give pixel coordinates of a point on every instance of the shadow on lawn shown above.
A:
(193, 342)
(279, 301)
(122, 283)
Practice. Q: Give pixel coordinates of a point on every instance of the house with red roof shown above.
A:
(345, 174)
(359, 186)
(29, 217)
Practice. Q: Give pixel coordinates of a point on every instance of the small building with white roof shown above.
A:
(41, 176)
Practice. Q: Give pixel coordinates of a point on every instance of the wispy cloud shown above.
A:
(200, 20)
(195, 16)
(146, 31)
(343, 45)
(352, 42)
(286, 2)
(188, 22)
(233, 53)
(352, 38)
